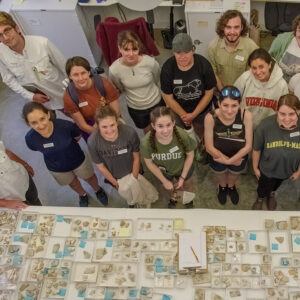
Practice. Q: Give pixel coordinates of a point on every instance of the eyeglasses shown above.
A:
(7, 31)
(231, 92)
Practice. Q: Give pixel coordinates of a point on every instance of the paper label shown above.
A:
(48, 145)
(237, 126)
(187, 197)
(123, 151)
(177, 81)
(173, 149)
(240, 58)
(124, 232)
(296, 133)
(82, 104)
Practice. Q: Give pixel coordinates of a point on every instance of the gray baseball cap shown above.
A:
(182, 42)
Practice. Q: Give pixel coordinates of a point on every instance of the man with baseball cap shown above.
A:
(187, 84)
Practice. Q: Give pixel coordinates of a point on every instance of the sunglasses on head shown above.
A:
(231, 92)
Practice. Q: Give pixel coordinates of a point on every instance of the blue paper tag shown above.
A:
(166, 297)
(274, 246)
(81, 294)
(84, 235)
(17, 238)
(24, 224)
(58, 254)
(67, 252)
(59, 218)
(133, 293)
(62, 292)
(31, 225)
(159, 269)
(109, 243)
(108, 295)
(158, 262)
(46, 270)
(82, 244)
(297, 240)
(252, 236)
(17, 260)
(29, 298)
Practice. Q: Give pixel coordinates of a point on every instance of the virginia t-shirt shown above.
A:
(117, 156)
(61, 151)
(187, 87)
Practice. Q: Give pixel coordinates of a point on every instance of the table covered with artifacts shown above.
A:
(108, 253)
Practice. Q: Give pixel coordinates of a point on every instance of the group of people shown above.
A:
(240, 98)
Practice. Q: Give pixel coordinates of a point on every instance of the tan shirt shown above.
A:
(228, 66)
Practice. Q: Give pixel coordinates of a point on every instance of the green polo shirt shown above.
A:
(230, 65)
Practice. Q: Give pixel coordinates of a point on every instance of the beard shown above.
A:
(232, 38)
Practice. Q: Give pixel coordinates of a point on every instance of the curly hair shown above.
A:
(158, 112)
(230, 14)
(295, 24)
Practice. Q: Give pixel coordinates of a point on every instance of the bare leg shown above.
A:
(77, 187)
(93, 182)
(222, 178)
(231, 179)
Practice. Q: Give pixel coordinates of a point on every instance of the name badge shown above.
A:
(240, 58)
(237, 126)
(48, 145)
(122, 151)
(177, 81)
(173, 149)
(296, 133)
(82, 104)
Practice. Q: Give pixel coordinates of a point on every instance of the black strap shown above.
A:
(98, 84)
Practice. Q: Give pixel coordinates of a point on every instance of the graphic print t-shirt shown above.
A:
(187, 87)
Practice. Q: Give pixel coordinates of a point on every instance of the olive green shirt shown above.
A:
(228, 66)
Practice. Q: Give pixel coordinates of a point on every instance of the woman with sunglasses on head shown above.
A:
(261, 86)
(79, 71)
(137, 75)
(228, 140)
(57, 140)
(276, 150)
(168, 152)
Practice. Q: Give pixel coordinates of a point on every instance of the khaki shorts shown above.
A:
(84, 171)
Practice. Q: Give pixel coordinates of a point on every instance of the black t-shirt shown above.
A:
(188, 87)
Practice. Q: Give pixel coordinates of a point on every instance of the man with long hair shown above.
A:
(228, 52)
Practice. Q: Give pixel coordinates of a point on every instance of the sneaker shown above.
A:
(131, 206)
(84, 201)
(222, 195)
(101, 196)
(271, 201)
(233, 194)
(172, 204)
(189, 205)
(258, 204)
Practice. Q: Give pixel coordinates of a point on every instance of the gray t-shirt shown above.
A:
(280, 149)
(117, 156)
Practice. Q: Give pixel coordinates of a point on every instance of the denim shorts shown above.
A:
(220, 168)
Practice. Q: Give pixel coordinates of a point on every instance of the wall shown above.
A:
(260, 7)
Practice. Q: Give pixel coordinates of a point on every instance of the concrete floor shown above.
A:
(13, 130)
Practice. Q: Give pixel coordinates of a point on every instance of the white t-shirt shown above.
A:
(14, 179)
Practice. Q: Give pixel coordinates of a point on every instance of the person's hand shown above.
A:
(179, 183)
(187, 119)
(115, 184)
(168, 185)
(222, 159)
(295, 175)
(257, 173)
(135, 175)
(15, 204)
(40, 98)
(237, 162)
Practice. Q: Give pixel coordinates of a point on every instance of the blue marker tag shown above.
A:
(166, 297)
(46, 270)
(133, 293)
(67, 252)
(62, 292)
(108, 295)
(29, 298)
(17, 238)
(274, 246)
(24, 224)
(58, 254)
(297, 240)
(17, 260)
(31, 225)
(82, 244)
(59, 218)
(159, 269)
(252, 237)
(81, 294)
(109, 243)
(158, 262)
(84, 235)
